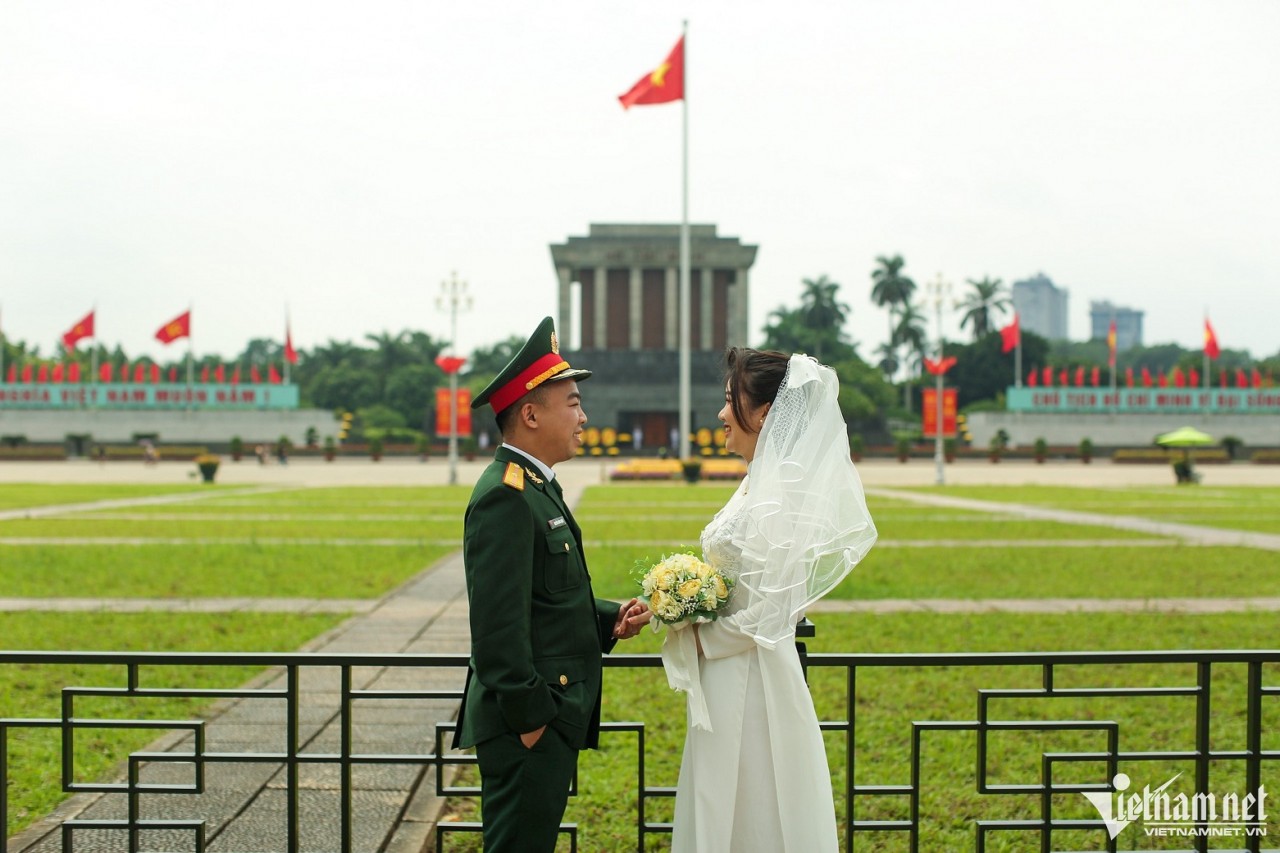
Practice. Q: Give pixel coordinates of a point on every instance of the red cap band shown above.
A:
(528, 379)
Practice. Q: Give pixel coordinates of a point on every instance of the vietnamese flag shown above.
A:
(104, 372)
(173, 374)
(1128, 376)
(1256, 378)
(1010, 336)
(57, 372)
(204, 374)
(1062, 377)
(1079, 376)
(273, 375)
(661, 85)
(13, 373)
(1093, 376)
(1193, 377)
(81, 330)
(1241, 381)
(254, 376)
(1222, 378)
(1178, 380)
(235, 376)
(43, 375)
(73, 372)
(1163, 380)
(178, 327)
(1211, 349)
(1146, 378)
(1046, 375)
(220, 374)
(155, 373)
(1033, 379)
(139, 373)
(290, 354)
(26, 373)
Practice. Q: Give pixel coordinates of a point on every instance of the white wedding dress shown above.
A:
(758, 781)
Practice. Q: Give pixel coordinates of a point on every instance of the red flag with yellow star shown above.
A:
(661, 85)
(81, 330)
(178, 327)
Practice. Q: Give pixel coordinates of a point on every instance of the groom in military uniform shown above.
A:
(532, 697)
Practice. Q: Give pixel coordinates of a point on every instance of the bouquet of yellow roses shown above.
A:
(682, 587)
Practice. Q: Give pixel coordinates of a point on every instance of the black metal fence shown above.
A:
(320, 702)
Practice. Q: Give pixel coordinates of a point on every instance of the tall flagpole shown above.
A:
(287, 338)
(1205, 348)
(1, 352)
(93, 362)
(190, 348)
(1017, 354)
(682, 447)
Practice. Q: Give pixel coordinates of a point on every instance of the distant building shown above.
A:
(619, 316)
(1041, 307)
(1128, 324)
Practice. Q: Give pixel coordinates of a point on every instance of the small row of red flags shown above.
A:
(1011, 337)
(177, 328)
(1176, 378)
(139, 374)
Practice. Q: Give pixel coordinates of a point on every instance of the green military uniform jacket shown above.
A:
(537, 630)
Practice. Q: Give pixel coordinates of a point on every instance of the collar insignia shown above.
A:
(533, 476)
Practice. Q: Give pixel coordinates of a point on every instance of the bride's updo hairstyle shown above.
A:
(753, 377)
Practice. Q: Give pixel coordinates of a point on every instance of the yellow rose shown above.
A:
(722, 591)
(664, 578)
(690, 588)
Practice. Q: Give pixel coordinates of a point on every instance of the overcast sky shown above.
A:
(344, 158)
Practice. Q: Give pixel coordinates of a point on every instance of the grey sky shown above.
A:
(345, 158)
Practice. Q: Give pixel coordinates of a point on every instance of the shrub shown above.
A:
(1231, 444)
(1041, 450)
(1086, 450)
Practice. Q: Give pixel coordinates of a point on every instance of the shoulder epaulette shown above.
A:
(514, 477)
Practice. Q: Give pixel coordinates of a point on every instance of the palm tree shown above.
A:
(888, 362)
(891, 288)
(822, 312)
(986, 299)
(910, 333)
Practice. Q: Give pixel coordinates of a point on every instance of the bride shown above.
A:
(754, 774)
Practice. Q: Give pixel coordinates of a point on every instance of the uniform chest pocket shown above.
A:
(561, 569)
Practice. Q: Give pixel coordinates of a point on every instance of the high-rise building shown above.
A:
(1128, 324)
(1041, 307)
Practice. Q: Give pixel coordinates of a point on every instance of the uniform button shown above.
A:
(566, 546)
(564, 679)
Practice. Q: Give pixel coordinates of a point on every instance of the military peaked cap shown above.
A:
(538, 361)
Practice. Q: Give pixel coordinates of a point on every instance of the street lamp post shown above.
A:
(939, 290)
(453, 297)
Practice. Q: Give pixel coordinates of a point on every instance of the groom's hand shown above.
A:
(632, 616)
(530, 739)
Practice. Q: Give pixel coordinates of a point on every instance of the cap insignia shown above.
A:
(555, 343)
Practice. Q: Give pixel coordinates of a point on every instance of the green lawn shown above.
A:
(34, 691)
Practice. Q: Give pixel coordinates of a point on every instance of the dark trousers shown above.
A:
(524, 791)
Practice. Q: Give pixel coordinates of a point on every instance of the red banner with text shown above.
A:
(931, 412)
(442, 411)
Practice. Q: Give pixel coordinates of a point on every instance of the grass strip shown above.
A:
(210, 570)
(20, 495)
(1254, 508)
(35, 691)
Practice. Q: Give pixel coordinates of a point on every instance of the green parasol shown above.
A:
(1184, 437)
